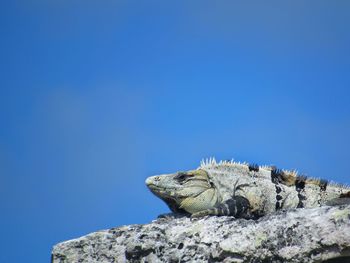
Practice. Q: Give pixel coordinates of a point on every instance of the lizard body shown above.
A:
(242, 190)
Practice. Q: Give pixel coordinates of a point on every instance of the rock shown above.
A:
(300, 235)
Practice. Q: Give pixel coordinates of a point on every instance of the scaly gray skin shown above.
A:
(242, 190)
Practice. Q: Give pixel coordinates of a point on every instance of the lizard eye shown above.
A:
(180, 177)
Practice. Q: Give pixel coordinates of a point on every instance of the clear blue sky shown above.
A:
(97, 95)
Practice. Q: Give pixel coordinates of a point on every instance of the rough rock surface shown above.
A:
(301, 235)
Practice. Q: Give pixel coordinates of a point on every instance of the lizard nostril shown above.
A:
(157, 179)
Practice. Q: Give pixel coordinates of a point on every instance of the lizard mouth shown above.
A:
(154, 188)
(159, 191)
(168, 199)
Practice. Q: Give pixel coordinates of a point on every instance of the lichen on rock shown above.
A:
(300, 235)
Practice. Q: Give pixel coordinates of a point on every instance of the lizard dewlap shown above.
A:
(242, 190)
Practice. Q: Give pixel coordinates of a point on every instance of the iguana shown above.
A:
(243, 190)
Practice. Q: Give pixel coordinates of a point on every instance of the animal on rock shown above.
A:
(243, 190)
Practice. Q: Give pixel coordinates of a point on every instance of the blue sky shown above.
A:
(95, 97)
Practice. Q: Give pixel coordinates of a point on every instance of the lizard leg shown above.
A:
(237, 206)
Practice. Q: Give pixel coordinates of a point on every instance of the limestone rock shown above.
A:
(300, 235)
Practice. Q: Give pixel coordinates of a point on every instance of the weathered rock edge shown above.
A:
(301, 235)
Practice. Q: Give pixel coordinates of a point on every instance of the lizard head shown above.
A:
(189, 191)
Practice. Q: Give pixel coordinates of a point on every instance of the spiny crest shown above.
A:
(212, 163)
(287, 177)
(339, 185)
(208, 162)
